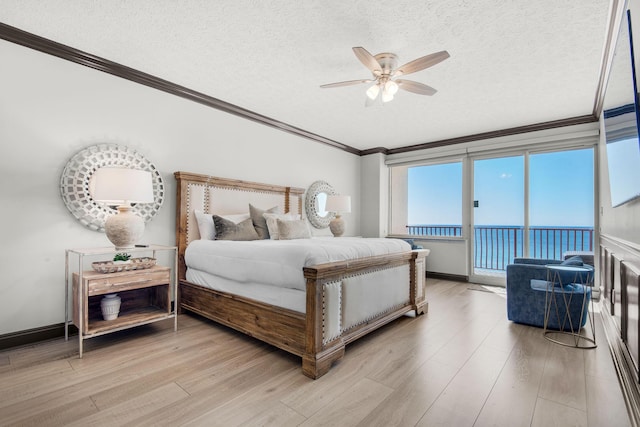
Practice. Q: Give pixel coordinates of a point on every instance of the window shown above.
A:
(561, 203)
(433, 205)
(480, 205)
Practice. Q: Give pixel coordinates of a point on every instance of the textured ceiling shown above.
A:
(513, 62)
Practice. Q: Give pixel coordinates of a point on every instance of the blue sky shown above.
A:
(561, 191)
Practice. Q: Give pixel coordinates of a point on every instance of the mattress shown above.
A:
(271, 270)
(292, 299)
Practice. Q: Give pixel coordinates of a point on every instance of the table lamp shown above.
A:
(338, 205)
(123, 186)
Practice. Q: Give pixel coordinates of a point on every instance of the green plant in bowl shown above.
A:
(122, 256)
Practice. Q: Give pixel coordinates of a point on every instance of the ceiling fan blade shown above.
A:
(346, 83)
(368, 60)
(422, 63)
(415, 87)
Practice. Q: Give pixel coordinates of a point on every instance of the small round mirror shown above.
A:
(315, 202)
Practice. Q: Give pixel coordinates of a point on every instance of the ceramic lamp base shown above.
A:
(125, 229)
(337, 226)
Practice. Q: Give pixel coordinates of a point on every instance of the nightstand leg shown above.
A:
(175, 289)
(66, 296)
(81, 300)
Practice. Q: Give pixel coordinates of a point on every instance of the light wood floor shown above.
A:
(462, 364)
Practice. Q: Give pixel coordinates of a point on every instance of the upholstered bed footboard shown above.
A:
(348, 299)
(345, 300)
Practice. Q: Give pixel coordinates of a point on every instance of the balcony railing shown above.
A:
(496, 246)
(434, 230)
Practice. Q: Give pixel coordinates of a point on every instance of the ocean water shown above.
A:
(496, 246)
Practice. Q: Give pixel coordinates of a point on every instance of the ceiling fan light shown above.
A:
(373, 91)
(386, 96)
(391, 87)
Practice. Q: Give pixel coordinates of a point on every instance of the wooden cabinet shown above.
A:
(620, 285)
(146, 295)
(630, 275)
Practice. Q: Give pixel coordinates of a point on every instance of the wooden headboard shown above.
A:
(223, 196)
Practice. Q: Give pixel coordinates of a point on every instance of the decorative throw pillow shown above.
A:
(229, 230)
(259, 221)
(272, 223)
(297, 229)
(205, 225)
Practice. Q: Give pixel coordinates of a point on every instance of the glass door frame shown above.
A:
(500, 280)
(497, 279)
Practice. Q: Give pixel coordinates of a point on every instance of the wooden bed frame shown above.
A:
(317, 336)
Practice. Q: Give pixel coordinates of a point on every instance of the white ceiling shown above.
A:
(513, 62)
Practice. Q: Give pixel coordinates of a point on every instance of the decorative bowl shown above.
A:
(132, 264)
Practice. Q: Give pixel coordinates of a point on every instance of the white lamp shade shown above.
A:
(116, 186)
(122, 186)
(338, 204)
(391, 87)
(387, 96)
(373, 91)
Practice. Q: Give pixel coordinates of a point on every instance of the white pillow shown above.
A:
(207, 228)
(205, 225)
(272, 223)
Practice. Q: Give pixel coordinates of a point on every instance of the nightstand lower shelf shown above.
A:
(138, 317)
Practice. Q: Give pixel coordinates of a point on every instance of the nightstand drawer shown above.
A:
(106, 283)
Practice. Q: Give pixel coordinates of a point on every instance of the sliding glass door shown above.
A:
(538, 205)
(478, 213)
(497, 216)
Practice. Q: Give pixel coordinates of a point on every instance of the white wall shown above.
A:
(399, 199)
(375, 196)
(50, 109)
(447, 256)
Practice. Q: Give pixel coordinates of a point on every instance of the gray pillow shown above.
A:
(259, 221)
(289, 230)
(229, 230)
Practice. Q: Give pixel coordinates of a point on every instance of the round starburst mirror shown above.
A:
(75, 183)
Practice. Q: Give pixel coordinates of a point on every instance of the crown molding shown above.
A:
(32, 41)
(77, 56)
(589, 118)
(375, 150)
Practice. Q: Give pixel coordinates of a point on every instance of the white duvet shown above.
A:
(280, 262)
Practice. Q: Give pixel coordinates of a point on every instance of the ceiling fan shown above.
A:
(385, 70)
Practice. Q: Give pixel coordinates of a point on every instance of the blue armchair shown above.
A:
(526, 293)
(412, 243)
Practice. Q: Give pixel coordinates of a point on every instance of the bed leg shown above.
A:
(316, 365)
(422, 308)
